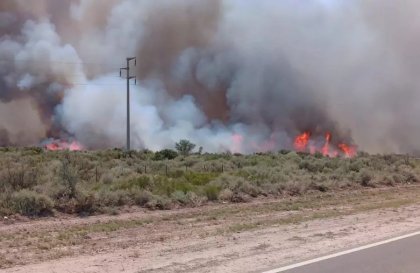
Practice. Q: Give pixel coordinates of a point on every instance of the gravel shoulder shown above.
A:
(248, 237)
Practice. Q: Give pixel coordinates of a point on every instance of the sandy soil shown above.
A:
(222, 238)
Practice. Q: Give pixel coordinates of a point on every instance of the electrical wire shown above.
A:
(57, 61)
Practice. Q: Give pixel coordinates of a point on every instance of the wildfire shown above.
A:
(326, 147)
(237, 141)
(304, 143)
(301, 141)
(348, 150)
(61, 145)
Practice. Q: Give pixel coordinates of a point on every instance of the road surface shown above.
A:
(399, 255)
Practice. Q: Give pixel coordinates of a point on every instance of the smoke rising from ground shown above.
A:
(233, 75)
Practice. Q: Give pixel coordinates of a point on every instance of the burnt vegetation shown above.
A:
(35, 182)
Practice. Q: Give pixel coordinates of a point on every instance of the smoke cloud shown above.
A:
(236, 75)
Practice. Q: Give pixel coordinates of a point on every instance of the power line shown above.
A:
(81, 77)
(76, 82)
(53, 61)
(98, 84)
(128, 78)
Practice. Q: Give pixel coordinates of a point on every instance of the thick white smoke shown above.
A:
(158, 120)
(228, 75)
(32, 81)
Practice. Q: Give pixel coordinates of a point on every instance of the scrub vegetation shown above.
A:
(35, 182)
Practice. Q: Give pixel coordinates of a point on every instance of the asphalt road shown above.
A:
(402, 256)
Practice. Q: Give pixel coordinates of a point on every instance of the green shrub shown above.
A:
(141, 198)
(182, 186)
(293, 157)
(390, 159)
(249, 189)
(319, 187)
(212, 192)
(365, 178)
(388, 181)
(409, 177)
(165, 154)
(195, 200)
(213, 157)
(69, 179)
(30, 203)
(110, 198)
(5, 211)
(312, 165)
(66, 205)
(176, 174)
(226, 195)
(180, 197)
(332, 164)
(32, 151)
(86, 203)
(240, 198)
(199, 179)
(397, 178)
(356, 166)
(159, 202)
(274, 189)
(141, 182)
(5, 205)
(318, 155)
(295, 188)
(107, 179)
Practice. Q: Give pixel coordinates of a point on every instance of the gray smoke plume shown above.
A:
(235, 75)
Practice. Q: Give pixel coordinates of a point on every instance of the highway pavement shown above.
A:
(398, 255)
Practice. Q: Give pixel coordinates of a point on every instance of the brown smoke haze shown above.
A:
(236, 75)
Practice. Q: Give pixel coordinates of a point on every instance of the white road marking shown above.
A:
(289, 267)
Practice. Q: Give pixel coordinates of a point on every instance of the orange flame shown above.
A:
(326, 149)
(301, 141)
(347, 150)
(61, 145)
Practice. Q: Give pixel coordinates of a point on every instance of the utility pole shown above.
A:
(128, 78)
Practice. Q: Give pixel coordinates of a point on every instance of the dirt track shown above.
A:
(220, 238)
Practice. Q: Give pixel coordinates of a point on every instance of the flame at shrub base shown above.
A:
(62, 145)
(304, 143)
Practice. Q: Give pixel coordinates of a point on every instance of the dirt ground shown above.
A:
(250, 237)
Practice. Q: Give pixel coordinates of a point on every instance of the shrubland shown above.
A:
(35, 182)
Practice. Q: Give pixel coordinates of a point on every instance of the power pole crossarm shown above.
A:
(128, 78)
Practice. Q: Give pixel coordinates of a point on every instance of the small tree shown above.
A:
(184, 147)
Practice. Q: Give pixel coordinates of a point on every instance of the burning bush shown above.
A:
(326, 147)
